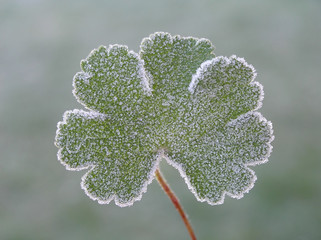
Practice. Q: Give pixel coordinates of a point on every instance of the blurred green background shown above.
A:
(41, 45)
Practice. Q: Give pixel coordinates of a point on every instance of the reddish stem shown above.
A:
(175, 201)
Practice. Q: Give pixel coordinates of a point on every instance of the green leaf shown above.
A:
(174, 100)
(112, 81)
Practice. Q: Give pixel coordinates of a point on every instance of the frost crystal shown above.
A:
(174, 100)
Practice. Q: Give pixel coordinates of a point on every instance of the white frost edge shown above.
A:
(142, 74)
(261, 97)
(205, 65)
(199, 73)
(152, 36)
(246, 166)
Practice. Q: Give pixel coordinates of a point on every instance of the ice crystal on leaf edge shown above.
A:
(174, 100)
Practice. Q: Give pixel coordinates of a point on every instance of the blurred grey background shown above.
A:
(41, 45)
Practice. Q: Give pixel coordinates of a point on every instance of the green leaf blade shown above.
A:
(121, 180)
(250, 138)
(225, 94)
(122, 160)
(217, 163)
(170, 61)
(226, 135)
(173, 101)
(81, 138)
(112, 82)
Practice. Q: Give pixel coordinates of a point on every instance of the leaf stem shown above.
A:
(176, 202)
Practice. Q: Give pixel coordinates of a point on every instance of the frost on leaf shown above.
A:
(174, 100)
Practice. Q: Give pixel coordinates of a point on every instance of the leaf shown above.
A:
(174, 100)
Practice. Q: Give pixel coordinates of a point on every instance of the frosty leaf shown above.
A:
(112, 80)
(120, 166)
(173, 101)
(80, 139)
(171, 61)
(215, 162)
